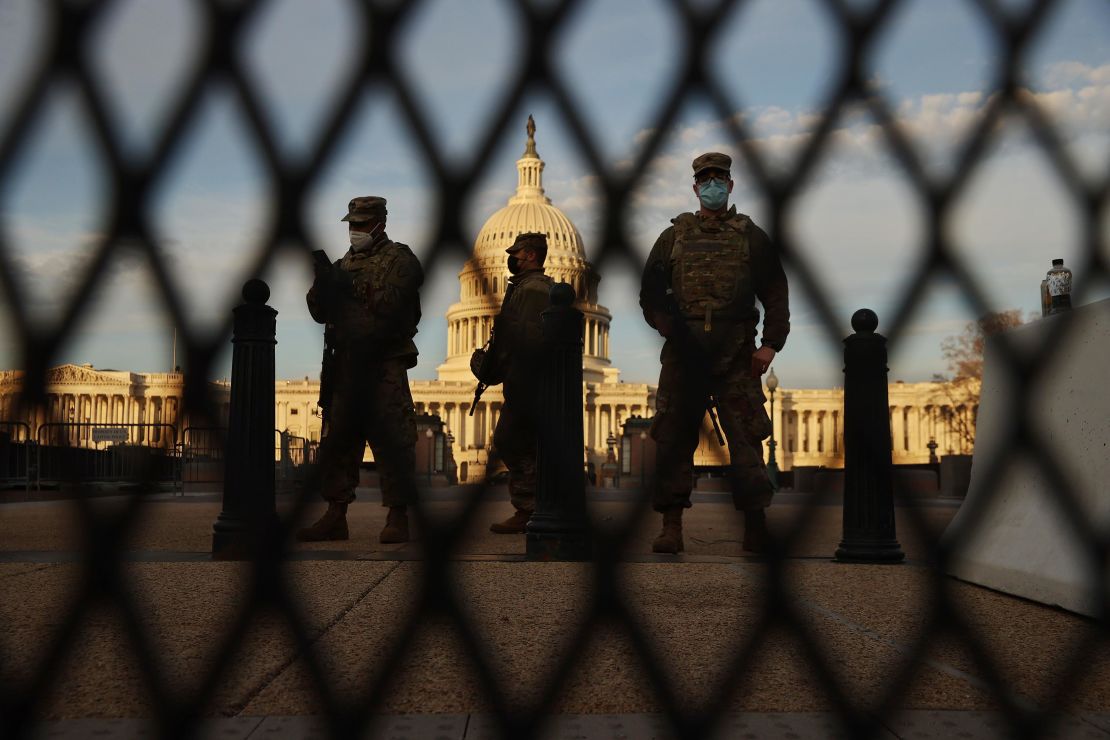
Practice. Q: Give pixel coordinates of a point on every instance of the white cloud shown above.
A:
(1071, 73)
(859, 223)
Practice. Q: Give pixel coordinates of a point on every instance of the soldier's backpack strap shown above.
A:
(398, 252)
(684, 224)
(404, 250)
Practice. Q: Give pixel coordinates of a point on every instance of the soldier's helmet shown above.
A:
(712, 161)
(366, 208)
(533, 239)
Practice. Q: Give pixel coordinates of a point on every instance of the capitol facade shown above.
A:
(808, 423)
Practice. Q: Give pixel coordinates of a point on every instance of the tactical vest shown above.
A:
(370, 273)
(711, 270)
(530, 329)
(519, 341)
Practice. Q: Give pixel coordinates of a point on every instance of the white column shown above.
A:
(830, 432)
(915, 430)
(942, 432)
(823, 432)
(811, 430)
(464, 423)
(595, 425)
(898, 430)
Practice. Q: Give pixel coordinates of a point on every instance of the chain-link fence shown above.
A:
(65, 57)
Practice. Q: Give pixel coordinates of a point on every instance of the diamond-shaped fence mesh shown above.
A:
(65, 57)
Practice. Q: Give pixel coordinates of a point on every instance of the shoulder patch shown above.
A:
(677, 220)
(740, 222)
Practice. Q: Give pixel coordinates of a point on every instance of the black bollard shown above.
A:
(869, 535)
(249, 514)
(557, 530)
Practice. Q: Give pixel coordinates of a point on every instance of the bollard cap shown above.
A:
(256, 291)
(562, 294)
(865, 321)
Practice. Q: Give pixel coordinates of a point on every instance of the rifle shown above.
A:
(481, 362)
(327, 376)
(697, 357)
(483, 371)
(327, 362)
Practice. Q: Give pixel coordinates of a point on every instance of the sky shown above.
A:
(858, 223)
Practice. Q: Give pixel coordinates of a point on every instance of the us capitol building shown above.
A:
(808, 423)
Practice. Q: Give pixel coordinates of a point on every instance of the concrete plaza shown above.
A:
(698, 611)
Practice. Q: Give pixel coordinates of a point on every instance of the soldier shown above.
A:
(370, 301)
(514, 358)
(699, 289)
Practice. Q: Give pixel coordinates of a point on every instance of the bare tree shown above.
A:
(964, 381)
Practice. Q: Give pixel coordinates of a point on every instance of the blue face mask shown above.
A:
(713, 194)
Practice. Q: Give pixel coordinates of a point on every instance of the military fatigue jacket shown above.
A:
(373, 300)
(517, 331)
(716, 267)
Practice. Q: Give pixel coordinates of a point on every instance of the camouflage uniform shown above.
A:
(516, 360)
(374, 305)
(716, 267)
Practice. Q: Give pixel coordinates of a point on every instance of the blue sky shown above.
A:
(858, 224)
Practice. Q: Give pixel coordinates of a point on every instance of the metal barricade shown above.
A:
(292, 453)
(202, 458)
(73, 37)
(16, 468)
(105, 452)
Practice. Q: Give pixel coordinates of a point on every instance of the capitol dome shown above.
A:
(530, 210)
(484, 276)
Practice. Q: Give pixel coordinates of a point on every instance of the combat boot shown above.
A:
(670, 539)
(331, 526)
(755, 530)
(396, 526)
(513, 525)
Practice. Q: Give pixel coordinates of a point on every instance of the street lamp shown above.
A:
(428, 433)
(643, 449)
(772, 466)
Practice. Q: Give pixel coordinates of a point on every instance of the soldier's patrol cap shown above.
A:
(533, 239)
(365, 208)
(712, 161)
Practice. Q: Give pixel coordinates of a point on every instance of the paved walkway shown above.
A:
(911, 725)
(699, 613)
